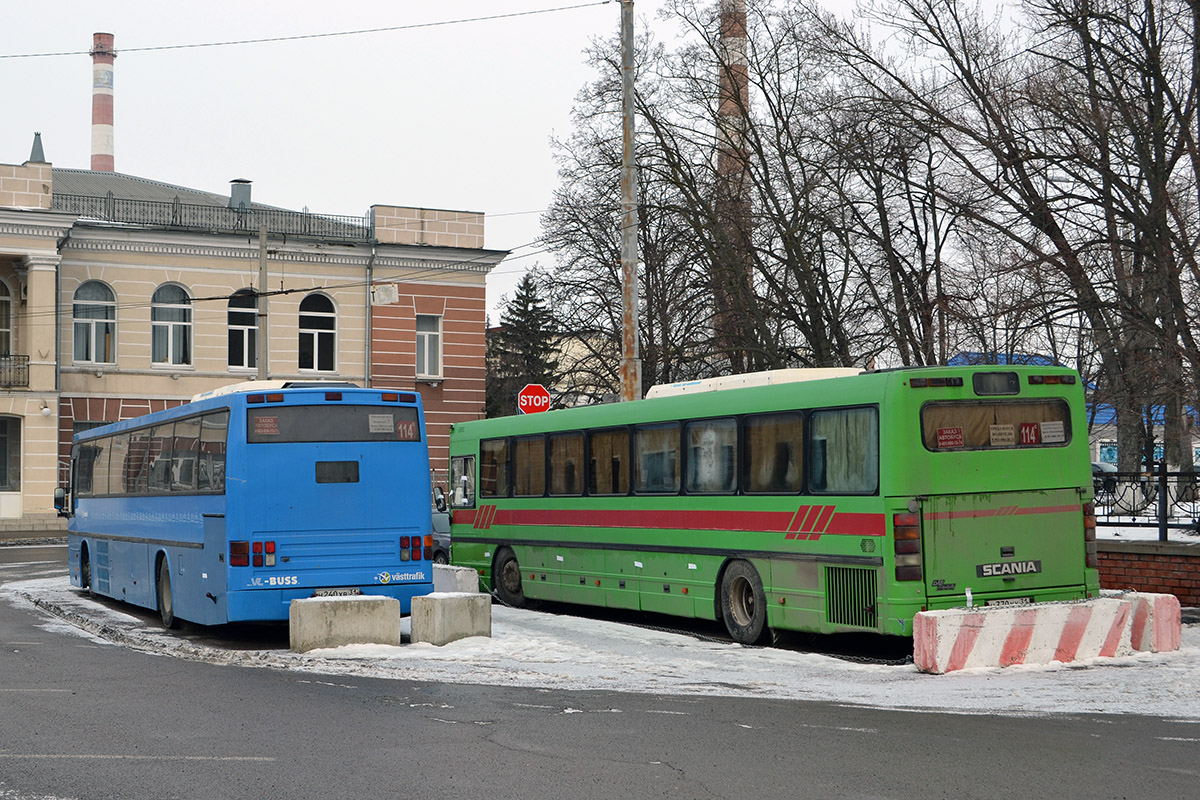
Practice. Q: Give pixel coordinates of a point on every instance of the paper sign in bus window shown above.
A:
(950, 437)
(380, 423)
(1053, 432)
(1003, 436)
(266, 425)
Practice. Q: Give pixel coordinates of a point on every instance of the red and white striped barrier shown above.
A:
(1156, 624)
(965, 638)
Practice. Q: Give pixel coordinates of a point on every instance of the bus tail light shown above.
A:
(239, 554)
(404, 542)
(417, 542)
(1091, 559)
(906, 544)
(257, 550)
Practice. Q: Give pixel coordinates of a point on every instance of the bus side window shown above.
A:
(771, 453)
(711, 456)
(566, 464)
(844, 451)
(609, 451)
(162, 442)
(462, 482)
(529, 466)
(493, 468)
(657, 458)
(211, 467)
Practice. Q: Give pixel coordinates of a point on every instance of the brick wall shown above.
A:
(1168, 567)
(431, 226)
(25, 186)
(460, 394)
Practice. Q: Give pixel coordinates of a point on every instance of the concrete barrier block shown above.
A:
(444, 617)
(315, 622)
(965, 638)
(1157, 624)
(454, 579)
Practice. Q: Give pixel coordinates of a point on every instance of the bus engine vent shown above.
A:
(850, 596)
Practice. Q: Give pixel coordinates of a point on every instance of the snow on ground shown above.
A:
(1119, 532)
(536, 650)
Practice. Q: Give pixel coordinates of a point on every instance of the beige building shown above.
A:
(121, 295)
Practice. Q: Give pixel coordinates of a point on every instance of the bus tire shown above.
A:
(506, 578)
(85, 571)
(166, 600)
(744, 604)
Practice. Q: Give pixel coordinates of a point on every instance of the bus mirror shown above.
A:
(60, 502)
(439, 498)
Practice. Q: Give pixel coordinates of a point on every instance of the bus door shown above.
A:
(1002, 545)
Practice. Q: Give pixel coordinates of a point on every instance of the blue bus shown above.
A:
(229, 507)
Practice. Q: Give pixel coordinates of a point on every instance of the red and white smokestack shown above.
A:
(102, 102)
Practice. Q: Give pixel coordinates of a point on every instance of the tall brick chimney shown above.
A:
(102, 101)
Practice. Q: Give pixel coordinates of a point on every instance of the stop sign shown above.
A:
(533, 398)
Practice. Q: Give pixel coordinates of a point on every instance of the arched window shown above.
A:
(95, 316)
(318, 333)
(243, 329)
(5, 319)
(171, 326)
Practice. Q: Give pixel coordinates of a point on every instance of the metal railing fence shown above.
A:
(219, 219)
(1159, 499)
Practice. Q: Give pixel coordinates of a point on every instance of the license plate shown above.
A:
(1010, 601)
(347, 592)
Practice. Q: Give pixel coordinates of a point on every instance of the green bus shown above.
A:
(809, 500)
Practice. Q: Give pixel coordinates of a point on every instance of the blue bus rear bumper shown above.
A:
(274, 604)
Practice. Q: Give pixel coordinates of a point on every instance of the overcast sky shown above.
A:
(455, 116)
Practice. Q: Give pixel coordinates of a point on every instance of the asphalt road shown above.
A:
(81, 718)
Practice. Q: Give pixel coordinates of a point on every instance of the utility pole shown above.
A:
(261, 338)
(631, 360)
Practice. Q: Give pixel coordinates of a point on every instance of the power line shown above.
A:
(327, 35)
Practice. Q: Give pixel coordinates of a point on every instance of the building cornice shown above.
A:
(46, 224)
(192, 246)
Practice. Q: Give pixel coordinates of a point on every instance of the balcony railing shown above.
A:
(215, 219)
(14, 371)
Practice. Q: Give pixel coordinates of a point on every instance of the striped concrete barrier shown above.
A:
(1156, 624)
(966, 638)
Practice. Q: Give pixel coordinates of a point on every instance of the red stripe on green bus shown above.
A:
(844, 523)
(823, 522)
(707, 520)
(811, 519)
(798, 519)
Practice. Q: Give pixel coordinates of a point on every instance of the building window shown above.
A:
(171, 326)
(95, 317)
(243, 329)
(318, 333)
(5, 319)
(429, 346)
(10, 454)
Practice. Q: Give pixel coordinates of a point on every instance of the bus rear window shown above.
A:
(998, 425)
(332, 423)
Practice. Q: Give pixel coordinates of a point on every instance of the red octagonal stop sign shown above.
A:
(533, 398)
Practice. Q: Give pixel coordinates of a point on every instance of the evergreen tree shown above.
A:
(523, 349)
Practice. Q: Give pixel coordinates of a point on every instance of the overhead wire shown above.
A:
(327, 35)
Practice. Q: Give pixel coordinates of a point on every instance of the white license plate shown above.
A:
(1010, 601)
(347, 592)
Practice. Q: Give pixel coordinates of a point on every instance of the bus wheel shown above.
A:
(166, 601)
(506, 578)
(85, 572)
(744, 604)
